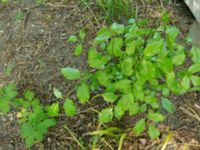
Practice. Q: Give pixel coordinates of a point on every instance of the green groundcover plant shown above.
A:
(34, 118)
(134, 70)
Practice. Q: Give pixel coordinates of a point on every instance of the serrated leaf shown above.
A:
(96, 60)
(195, 54)
(127, 66)
(123, 85)
(185, 83)
(29, 95)
(103, 78)
(165, 64)
(83, 93)
(153, 47)
(118, 112)
(167, 105)
(114, 47)
(70, 73)
(78, 50)
(110, 97)
(52, 110)
(157, 117)
(195, 80)
(106, 115)
(130, 48)
(195, 68)
(69, 107)
(153, 132)
(117, 28)
(179, 58)
(171, 34)
(134, 108)
(139, 127)
(57, 93)
(72, 39)
(102, 36)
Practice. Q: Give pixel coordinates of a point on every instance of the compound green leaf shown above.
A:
(167, 105)
(153, 132)
(83, 93)
(110, 97)
(114, 47)
(157, 117)
(70, 73)
(106, 115)
(69, 107)
(139, 127)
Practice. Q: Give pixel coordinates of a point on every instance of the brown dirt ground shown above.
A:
(36, 48)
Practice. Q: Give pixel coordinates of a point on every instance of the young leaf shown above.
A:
(69, 107)
(167, 105)
(110, 97)
(82, 34)
(29, 95)
(114, 47)
(78, 50)
(106, 115)
(102, 36)
(153, 132)
(70, 73)
(139, 127)
(118, 112)
(72, 39)
(83, 93)
(117, 28)
(52, 110)
(57, 93)
(157, 117)
(171, 34)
